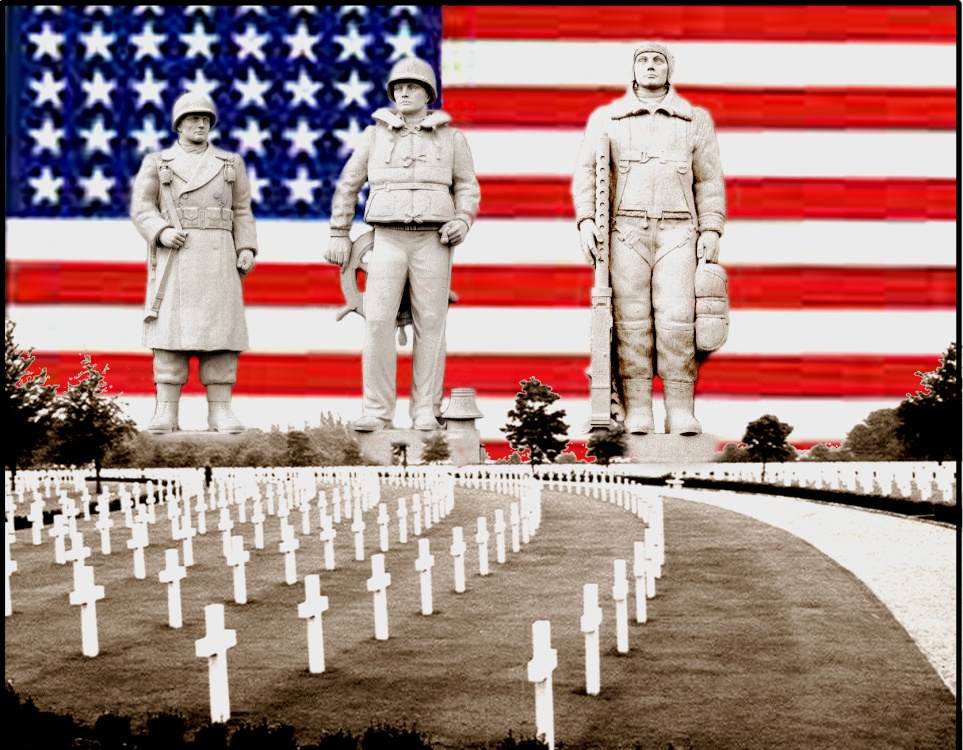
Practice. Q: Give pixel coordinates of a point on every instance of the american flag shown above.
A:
(837, 127)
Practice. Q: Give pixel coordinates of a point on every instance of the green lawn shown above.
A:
(754, 640)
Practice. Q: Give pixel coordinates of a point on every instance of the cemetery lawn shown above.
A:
(754, 639)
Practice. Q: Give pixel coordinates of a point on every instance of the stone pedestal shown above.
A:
(463, 444)
(195, 437)
(671, 449)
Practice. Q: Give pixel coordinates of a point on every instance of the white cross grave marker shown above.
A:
(137, 542)
(214, 646)
(514, 519)
(639, 571)
(172, 574)
(402, 521)
(458, 554)
(620, 593)
(590, 624)
(258, 518)
(540, 668)
(311, 609)
(424, 564)
(238, 560)
(481, 539)
(289, 546)
(378, 586)
(327, 536)
(416, 514)
(86, 594)
(383, 520)
(500, 536)
(357, 526)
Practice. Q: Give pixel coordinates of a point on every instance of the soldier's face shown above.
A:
(411, 98)
(651, 70)
(195, 128)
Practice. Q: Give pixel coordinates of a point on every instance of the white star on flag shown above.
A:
(148, 137)
(301, 43)
(48, 89)
(150, 90)
(48, 42)
(251, 138)
(97, 137)
(201, 85)
(249, 43)
(302, 138)
(98, 89)
(47, 137)
(302, 189)
(46, 187)
(257, 184)
(303, 90)
(199, 41)
(349, 138)
(352, 44)
(97, 42)
(404, 42)
(354, 90)
(252, 90)
(97, 186)
(146, 42)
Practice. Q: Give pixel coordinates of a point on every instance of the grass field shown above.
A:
(754, 640)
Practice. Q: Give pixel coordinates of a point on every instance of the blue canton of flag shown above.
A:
(294, 87)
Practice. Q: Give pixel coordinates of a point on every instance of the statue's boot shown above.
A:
(165, 409)
(370, 424)
(220, 418)
(426, 422)
(679, 416)
(638, 406)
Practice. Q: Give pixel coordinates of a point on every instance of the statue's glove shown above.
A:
(245, 261)
(173, 238)
(339, 250)
(453, 232)
(589, 239)
(708, 246)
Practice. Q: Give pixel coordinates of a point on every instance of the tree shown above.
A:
(822, 452)
(605, 445)
(531, 427)
(399, 454)
(733, 453)
(929, 421)
(436, 449)
(89, 422)
(299, 449)
(29, 405)
(765, 441)
(874, 439)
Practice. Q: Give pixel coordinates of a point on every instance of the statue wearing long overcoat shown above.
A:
(202, 307)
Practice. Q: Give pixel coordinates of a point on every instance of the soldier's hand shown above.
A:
(453, 232)
(589, 238)
(708, 246)
(173, 238)
(339, 250)
(245, 261)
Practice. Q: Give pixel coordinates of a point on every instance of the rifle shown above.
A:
(601, 367)
(154, 307)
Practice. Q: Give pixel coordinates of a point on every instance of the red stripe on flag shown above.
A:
(751, 198)
(498, 449)
(731, 23)
(781, 288)
(730, 108)
(331, 375)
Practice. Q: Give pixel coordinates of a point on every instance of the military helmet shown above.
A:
(413, 69)
(193, 103)
(654, 47)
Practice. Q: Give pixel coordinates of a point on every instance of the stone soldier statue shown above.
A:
(423, 199)
(667, 202)
(192, 203)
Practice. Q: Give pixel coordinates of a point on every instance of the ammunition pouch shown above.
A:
(711, 306)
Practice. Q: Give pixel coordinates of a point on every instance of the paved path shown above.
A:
(910, 565)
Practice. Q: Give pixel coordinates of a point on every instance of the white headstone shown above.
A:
(639, 568)
(540, 669)
(327, 536)
(311, 609)
(500, 536)
(515, 521)
(138, 542)
(289, 546)
(238, 560)
(383, 520)
(402, 521)
(481, 539)
(416, 514)
(214, 646)
(87, 594)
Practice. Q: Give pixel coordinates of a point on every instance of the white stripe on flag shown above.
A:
(813, 419)
(528, 242)
(550, 64)
(773, 153)
(495, 330)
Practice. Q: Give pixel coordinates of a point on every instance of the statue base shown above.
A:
(193, 437)
(464, 445)
(659, 448)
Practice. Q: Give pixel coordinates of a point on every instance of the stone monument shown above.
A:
(423, 199)
(192, 204)
(650, 207)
